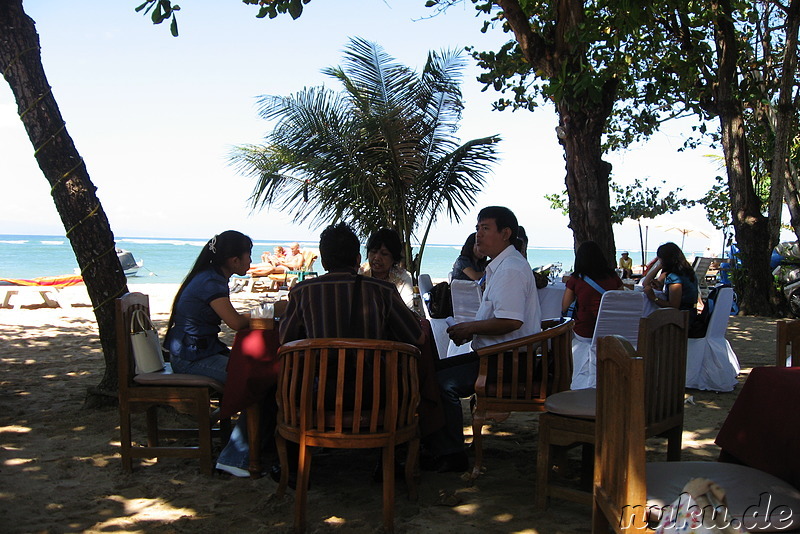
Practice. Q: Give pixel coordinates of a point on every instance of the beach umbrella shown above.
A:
(684, 229)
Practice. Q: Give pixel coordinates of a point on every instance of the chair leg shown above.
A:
(543, 463)
(411, 466)
(152, 426)
(478, 420)
(674, 437)
(388, 488)
(204, 430)
(301, 492)
(125, 436)
(283, 457)
(254, 439)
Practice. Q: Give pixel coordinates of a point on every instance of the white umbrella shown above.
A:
(684, 229)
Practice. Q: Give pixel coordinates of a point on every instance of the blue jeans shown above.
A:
(215, 366)
(237, 452)
(454, 384)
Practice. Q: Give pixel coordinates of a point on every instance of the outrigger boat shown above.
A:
(129, 264)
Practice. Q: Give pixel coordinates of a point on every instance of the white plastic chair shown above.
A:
(619, 314)
(711, 363)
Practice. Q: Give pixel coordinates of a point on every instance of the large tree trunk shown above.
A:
(587, 178)
(73, 192)
(785, 116)
(754, 283)
(581, 122)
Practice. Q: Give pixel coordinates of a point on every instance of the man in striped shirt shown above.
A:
(342, 304)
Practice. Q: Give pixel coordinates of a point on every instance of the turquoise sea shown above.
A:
(167, 260)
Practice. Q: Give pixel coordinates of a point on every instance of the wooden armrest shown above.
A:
(562, 326)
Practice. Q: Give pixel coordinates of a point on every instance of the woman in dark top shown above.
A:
(678, 278)
(590, 263)
(470, 264)
(203, 302)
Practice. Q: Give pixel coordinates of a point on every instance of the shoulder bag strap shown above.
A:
(594, 284)
(142, 320)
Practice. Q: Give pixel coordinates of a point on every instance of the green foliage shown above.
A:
(382, 152)
(161, 11)
(165, 9)
(635, 201)
(618, 43)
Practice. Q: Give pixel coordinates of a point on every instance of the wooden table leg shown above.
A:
(254, 439)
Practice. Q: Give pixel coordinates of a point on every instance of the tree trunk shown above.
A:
(785, 116)
(587, 178)
(754, 284)
(73, 192)
(581, 122)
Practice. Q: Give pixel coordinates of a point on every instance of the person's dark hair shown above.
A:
(214, 254)
(673, 260)
(591, 261)
(503, 218)
(522, 241)
(468, 250)
(388, 238)
(339, 247)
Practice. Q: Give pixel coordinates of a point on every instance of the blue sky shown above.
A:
(154, 117)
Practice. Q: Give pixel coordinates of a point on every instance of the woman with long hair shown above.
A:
(384, 253)
(591, 265)
(678, 280)
(470, 264)
(203, 303)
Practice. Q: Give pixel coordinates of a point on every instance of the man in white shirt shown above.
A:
(509, 310)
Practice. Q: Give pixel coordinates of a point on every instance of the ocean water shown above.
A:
(167, 260)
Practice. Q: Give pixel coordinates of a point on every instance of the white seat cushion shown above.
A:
(573, 403)
(763, 503)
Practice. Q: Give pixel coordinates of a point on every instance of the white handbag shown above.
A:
(147, 353)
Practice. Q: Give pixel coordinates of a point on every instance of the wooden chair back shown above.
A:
(620, 492)
(347, 393)
(788, 346)
(663, 339)
(518, 375)
(190, 394)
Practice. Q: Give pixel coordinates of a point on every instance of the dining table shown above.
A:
(254, 367)
(762, 429)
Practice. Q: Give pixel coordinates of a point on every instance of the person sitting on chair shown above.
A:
(509, 310)
(470, 264)
(345, 304)
(626, 264)
(384, 253)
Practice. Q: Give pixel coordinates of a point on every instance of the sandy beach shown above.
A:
(61, 470)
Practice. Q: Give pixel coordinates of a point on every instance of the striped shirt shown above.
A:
(321, 307)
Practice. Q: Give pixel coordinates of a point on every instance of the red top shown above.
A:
(589, 301)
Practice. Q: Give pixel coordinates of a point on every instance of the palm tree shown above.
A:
(382, 153)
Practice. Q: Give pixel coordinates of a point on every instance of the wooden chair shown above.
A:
(570, 417)
(190, 394)
(518, 375)
(347, 393)
(788, 349)
(627, 492)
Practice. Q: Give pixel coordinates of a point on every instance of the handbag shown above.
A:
(440, 304)
(147, 354)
